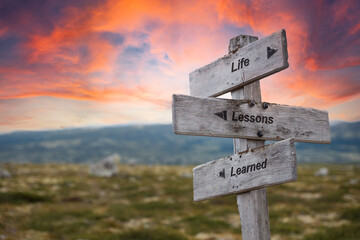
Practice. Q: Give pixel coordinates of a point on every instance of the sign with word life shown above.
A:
(248, 64)
(252, 169)
(246, 119)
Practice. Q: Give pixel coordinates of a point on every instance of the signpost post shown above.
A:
(250, 122)
(252, 205)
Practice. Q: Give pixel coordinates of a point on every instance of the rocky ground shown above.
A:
(61, 201)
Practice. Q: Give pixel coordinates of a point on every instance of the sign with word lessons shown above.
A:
(248, 64)
(246, 119)
(252, 169)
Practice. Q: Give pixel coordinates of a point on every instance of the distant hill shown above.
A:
(156, 144)
(344, 147)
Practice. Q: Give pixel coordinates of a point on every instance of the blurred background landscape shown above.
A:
(56, 201)
(51, 190)
(157, 144)
(87, 150)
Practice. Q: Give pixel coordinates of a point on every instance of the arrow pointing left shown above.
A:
(222, 115)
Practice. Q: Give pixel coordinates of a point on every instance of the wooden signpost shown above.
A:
(249, 121)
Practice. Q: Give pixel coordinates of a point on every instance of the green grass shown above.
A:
(53, 219)
(22, 197)
(122, 212)
(286, 228)
(352, 214)
(349, 232)
(146, 234)
(156, 206)
(64, 222)
(201, 223)
(51, 202)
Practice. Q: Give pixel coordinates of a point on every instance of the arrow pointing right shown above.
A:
(266, 56)
(270, 51)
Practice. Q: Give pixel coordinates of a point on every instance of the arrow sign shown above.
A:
(222, 114)
(270, 52)
(216, 117)
(250, 63)
(253, 169)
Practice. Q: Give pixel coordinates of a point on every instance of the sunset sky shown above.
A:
(69, 63)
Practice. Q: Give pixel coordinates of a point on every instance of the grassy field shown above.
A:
(61, 201)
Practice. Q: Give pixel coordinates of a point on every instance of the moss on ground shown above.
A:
(61, 201)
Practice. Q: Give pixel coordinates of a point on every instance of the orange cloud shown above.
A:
(59, 68)
(320, 37)
(142, 51)
(77, 91)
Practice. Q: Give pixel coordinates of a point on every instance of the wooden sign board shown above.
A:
(216, 117)
(252, 169)
(250, 63)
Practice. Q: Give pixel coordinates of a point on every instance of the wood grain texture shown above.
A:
(252, 206)
(259, 167)
(218, 78)
(240, 41)
(240, 119)
(254, 215)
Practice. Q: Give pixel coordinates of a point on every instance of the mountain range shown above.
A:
(156, 144)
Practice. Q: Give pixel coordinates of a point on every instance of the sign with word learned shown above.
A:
(246, 119)
(248, 64)
(252, 169)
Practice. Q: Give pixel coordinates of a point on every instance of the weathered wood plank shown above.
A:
(252, 205)
(252, 169)
(250, 63)
(245, 119)
(254, 215)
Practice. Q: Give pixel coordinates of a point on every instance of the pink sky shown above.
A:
(92, 63)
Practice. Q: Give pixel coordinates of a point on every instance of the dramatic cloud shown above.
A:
(140, 52)
(323, 39)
